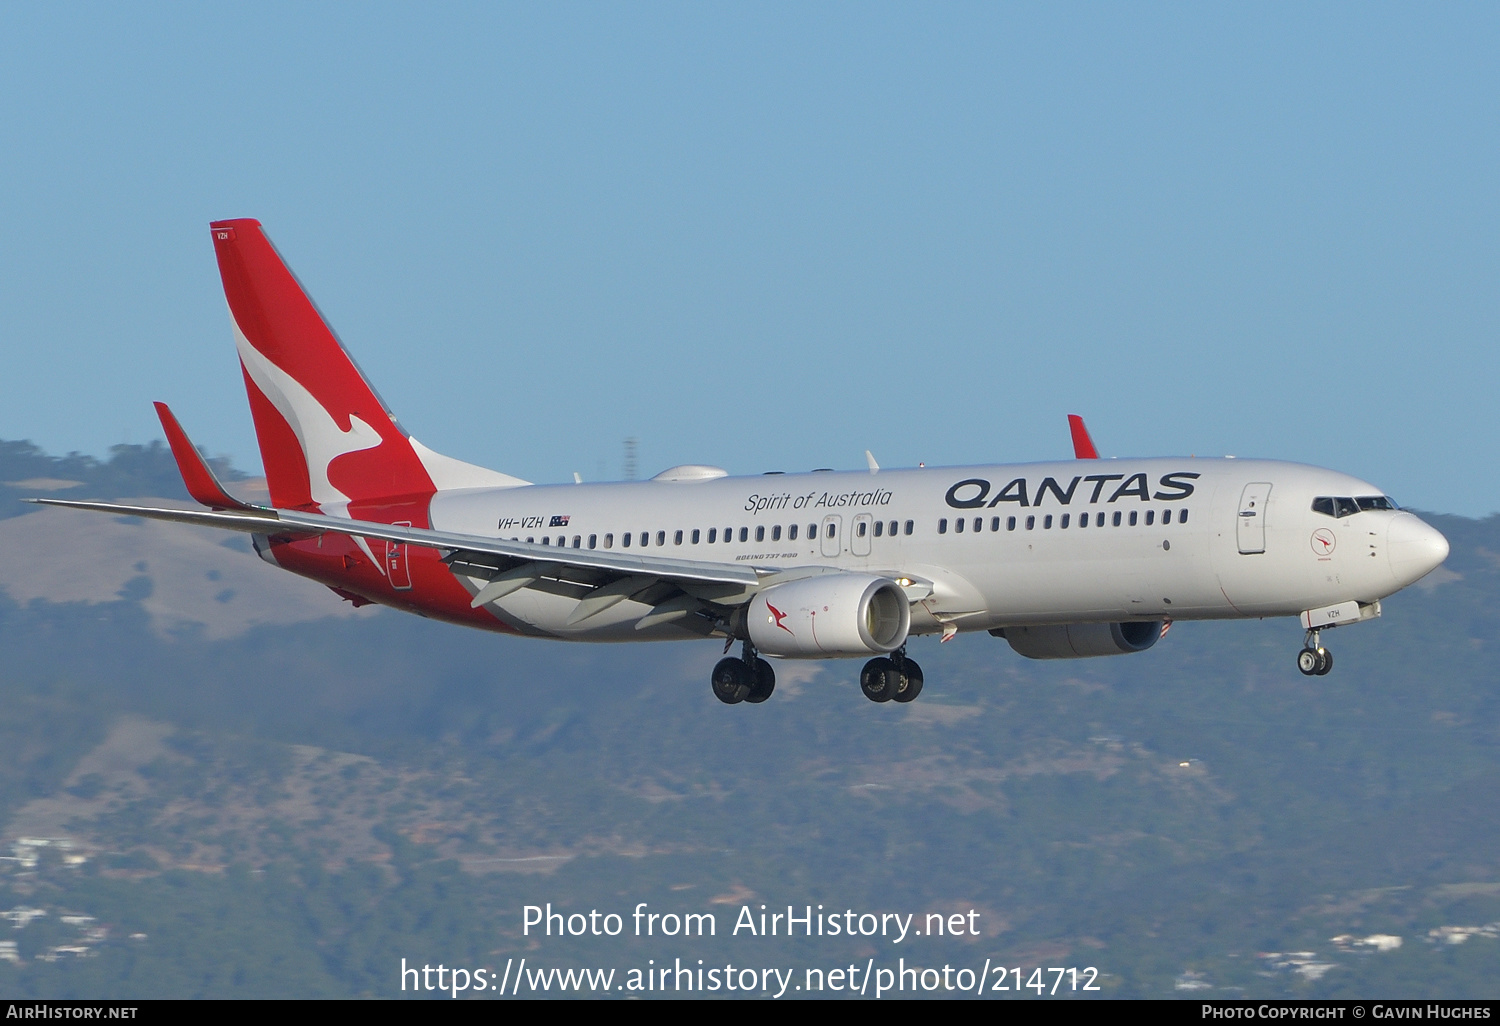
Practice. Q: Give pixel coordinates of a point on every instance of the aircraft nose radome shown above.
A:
(1415, 548)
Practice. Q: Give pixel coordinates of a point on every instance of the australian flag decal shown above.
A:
(559, 522)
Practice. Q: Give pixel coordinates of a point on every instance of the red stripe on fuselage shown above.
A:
(337, 561)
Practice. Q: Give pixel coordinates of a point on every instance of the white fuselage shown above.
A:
(999, 545)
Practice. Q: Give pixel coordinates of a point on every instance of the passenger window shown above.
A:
(695, 536)
(530, 539)
(760, 532)
(776, 533)
(661, 537)
(943, 526)
(978, 524)
(1182, 516)
(831, 530)
(593, 541)
(791, 533)
(744, 534)
(1117, 518)
(544, 541)
(1030, 523)
(812, 531)
(1150, 516)
(910, 526)
(994, 524)
(625, 540)
(1064, 523)
(577, 542)
(728, 535)
(1132, 518)
(958, 525)
(1166, 516)
(879, 528)
(1010, 523)
(1083, 520)
(860, 530)
(713, 535)
(1099, 520)
(1047, 522)
(893, 529)
(677, 538)
(609, 541)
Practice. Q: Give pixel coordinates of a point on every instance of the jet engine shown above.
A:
(828, 616)
(1079, 640)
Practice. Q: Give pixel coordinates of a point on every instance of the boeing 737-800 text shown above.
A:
(1077, 558)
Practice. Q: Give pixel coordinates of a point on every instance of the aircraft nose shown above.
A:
(1415, 549)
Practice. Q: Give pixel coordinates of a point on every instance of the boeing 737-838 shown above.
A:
(1077, 558)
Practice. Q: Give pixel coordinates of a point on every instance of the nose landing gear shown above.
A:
(746, 679)
(1314, 660)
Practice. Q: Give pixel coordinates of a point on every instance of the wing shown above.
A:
(455, 547)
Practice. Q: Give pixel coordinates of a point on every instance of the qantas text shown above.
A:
(973, 492)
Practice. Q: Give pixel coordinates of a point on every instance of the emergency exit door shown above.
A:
(832, 544)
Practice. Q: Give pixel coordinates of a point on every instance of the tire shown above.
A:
(765, 683)
(1325, 662)
(912, 681)
(1308, 662)
(729, 683)
(879, 680)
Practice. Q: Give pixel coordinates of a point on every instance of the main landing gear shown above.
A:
(1314, 660)
(891, 678)
(746, 679)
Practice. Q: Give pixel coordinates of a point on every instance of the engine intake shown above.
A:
(828, 616)
(1081, 640)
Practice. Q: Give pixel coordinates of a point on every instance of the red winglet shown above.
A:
(1083, 445)
(201, 483)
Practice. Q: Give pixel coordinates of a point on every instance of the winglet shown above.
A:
(201, 483)
(1083, 445)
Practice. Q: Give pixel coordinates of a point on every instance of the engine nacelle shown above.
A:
(828, 616)
(1080, 640)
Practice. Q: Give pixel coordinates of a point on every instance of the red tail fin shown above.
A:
(325, 437)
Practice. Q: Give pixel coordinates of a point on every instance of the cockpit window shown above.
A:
(1343, 506)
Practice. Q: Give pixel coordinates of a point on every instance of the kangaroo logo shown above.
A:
(777, 616)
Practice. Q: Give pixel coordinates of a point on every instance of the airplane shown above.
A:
(1067, 559)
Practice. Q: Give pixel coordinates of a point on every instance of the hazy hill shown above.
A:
(285, 798)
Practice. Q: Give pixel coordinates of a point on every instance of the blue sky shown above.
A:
(769, 236)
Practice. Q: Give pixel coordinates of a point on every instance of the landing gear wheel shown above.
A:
(1325, 662)
(1308, 661)
(880, 680)
(765, 682)
(911, 675)
(731, 681)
